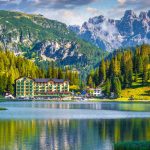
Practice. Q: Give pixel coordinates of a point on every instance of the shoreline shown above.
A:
(88, 100)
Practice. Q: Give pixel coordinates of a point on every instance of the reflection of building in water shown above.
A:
(70, 134)
(28, 87)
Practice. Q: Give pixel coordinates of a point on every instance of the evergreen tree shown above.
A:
(102, 72)
(60, 74)
(108, 88)
(10, 86)
(140, 65)
(96, 78)
(136, 77)
(145, 70)
(76, 78)
(130, 74)
(117, 87)
(90, 81)
(49, 73)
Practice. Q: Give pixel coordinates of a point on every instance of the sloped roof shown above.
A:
(42, 80)
(24, 78)
(58, 80)
(45, 80)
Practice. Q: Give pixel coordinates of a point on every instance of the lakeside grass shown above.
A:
(2, 109)
(138, 91)
(141, 145)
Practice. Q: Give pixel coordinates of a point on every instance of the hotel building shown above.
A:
(28, 87)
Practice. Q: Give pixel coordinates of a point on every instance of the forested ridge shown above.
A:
(120, 71)
(13, 67)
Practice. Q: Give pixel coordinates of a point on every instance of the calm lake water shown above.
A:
(72, 126)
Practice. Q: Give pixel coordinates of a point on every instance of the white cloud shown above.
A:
(75, 11)
(134, 4)
(121, 1)
(69, 17)
(92, 11)
(37, 4)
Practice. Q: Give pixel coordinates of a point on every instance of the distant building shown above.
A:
(95, 92)
(28, 87)
(8, 95)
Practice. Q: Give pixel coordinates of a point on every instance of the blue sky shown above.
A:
(75, 11)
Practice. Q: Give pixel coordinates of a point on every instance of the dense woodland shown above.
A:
(121, 70)
(114, 73)
(12, 67)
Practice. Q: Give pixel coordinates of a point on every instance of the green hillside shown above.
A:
(137, 90)
(126, 75)
(21, 32)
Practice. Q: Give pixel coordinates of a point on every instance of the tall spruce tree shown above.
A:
(117, 87)
(108, 87)
(102, 72)
(90, 81)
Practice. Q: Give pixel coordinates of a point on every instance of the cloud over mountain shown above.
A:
(38, 4)
(77, 10)
(109, 34)
(136, 4)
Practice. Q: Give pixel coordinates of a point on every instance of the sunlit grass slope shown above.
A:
(138, 91)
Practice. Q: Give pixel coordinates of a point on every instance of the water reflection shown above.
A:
(70, 134)
(132, 106)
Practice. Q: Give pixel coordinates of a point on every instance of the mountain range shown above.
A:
(38, 38)
(35, 36)
(110, 34)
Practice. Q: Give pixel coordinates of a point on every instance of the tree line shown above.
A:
(13, 67)
(121, 70)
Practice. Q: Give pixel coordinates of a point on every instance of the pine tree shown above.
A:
(10, 87)
(60, 74)
(49, 73)
(102, 72)
(53, 70)
(145, 70)
(1, 65)
(96, 78)
(140, 65)
(90, 81)
(117, 87)
(130, 74)
(108, 88)
(76, 78)
(136, 77)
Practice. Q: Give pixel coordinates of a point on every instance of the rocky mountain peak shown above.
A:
(144, 15)
(97, 19)
(74, 28)
(129, 14)
(109, 34)
(148, 13)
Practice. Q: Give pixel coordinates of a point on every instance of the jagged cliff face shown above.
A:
(30, 35)
(110, 34)
(64, 52)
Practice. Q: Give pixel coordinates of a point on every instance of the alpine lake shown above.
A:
(44, 125)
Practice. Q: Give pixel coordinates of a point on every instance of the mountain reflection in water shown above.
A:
(70, 134)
